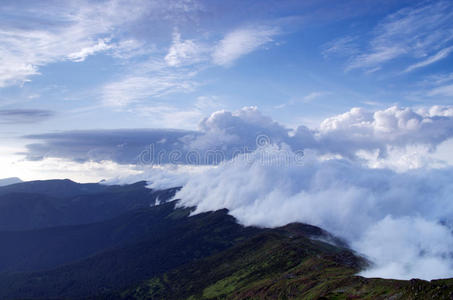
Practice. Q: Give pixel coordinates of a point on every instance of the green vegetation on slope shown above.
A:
(282, 264)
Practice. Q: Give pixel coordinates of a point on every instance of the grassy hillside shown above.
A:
(282, 264)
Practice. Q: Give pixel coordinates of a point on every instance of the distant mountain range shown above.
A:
(64, 240)
(8, 181)
(42, 204)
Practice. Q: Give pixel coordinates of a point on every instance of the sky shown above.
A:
(128, 64)
(333, 113)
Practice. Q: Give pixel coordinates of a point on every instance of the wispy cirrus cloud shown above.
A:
(438, 86)
(423, 33)
(241, 42)
(142, 87)
(444, 90)
(315, 95)
(344, 46)
(184, 52)
(432, 59)
(71, 31)
(176, 71)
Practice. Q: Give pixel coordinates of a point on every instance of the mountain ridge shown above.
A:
(41, 204)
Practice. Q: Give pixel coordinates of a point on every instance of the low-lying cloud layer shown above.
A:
(400, 221)
(368, 177)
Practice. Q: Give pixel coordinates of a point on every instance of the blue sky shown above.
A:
(90, 65)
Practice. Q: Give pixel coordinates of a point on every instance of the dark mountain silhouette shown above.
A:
(43, 204)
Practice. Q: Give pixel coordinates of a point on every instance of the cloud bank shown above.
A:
(369, 177)
(400, 221)
(397, 138)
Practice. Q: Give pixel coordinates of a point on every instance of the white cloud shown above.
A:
(241, 42)
(147, 81)
(432, 59)
(161, 177)
(315, 95)
(400, 220)
(13, 165)
(176, 72)
(437, 86)
(237, 131)
(377, 211)
(395, 138)
(183, 52)
(167, 116)
(344, 46)
(378, 56)
(129, 48)
(72, 30)
(208, 103)
(415, 32)
(407, 247)
(87, 51)
(385, 130)
(443, 90)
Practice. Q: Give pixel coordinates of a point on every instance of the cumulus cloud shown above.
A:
(221, 136)
(397, 138)
(399, 221)
(237, 131)
(384, 130)
(21, 116)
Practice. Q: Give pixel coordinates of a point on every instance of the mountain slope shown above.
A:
(210, 256)
(20, 211)
(53, 188)
(175, 239)
(48, 248)
(281, 264)
(44, 204)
